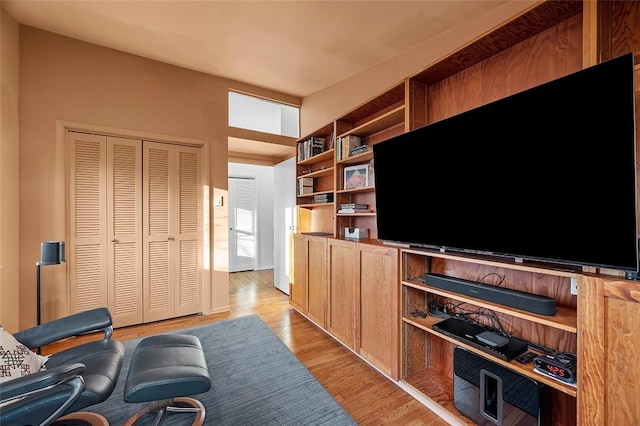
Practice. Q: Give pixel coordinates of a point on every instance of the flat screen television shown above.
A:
(547, 174)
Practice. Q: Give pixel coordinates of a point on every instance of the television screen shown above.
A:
(545, 174)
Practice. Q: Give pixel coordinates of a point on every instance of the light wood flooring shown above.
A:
(368, 396)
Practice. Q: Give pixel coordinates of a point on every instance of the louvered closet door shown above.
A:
(87, 251)
(124, 230)
(105, 253)
(172, 193)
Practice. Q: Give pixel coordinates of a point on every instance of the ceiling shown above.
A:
(300, 47)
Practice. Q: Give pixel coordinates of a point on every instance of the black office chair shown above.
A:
(74, 378)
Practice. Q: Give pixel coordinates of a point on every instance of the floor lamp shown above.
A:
(51, 253)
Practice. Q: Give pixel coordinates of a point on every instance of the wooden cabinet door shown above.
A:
(379, 322)
(342, 291)
(317, 279)
(298, 275)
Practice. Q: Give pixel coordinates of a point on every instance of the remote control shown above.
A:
(526, 357)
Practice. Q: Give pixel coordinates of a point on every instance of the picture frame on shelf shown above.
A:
(356, 176)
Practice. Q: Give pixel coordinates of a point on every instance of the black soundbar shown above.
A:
(513, 298)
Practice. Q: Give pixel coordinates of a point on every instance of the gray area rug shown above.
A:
(255, 380)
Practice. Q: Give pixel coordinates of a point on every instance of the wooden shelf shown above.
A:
(491, 261)
(363, 157)
(426, 325)
(318, 173)
(355, 190)
(314, 205)
(326, 155)
(357, 214)
(564, 319)
(382, 122)
(438, 388)
(312, 194)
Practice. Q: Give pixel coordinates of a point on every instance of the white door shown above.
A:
(284, 204)
(242, 224)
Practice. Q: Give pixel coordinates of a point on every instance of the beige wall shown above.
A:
(73, 81)
(326, 105)
(9, 179)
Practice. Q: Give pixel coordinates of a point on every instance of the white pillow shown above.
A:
(16, 359)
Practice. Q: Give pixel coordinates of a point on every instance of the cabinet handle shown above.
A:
(169, 238)
(113, 240)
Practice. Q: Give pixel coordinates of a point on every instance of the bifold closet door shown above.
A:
(172, 237)
(105, 241)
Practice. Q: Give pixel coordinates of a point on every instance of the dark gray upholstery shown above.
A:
(167, 366)
(74, 378)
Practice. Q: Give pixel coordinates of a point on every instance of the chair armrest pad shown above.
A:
(73, 325)
(39, 380)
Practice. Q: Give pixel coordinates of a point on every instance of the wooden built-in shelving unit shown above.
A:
(599, 324)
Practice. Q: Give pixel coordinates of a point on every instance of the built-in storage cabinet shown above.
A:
(308, 288)
(427, 353)
(379, 330)
(376, 120)
(350, 289)
(315, 182)
(342, 319)
(334, 175)
(600, 324)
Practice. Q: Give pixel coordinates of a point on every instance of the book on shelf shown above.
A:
(304, 186)
(358, 150)
(354, 206)
(310, 147)
(323, 198)
(354, 211)
(345, 144)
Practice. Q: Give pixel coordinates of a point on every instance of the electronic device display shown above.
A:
(563, 370)
(547, 174)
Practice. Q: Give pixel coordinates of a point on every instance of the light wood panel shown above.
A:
(298, 284)
(317, 280)
(342, 291)
(368, 396)
(379, 319)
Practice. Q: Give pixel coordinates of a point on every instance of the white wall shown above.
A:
(264, 190)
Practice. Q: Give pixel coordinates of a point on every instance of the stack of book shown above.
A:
(304, 186)
(354, 208)
(358, 150)
(345, 144)
(323, 198)
(310, 147)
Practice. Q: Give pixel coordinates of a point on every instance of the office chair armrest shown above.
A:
(98, 319)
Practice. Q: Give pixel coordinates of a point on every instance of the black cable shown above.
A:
(500, 279)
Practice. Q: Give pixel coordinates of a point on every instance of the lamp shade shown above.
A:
(52, 253)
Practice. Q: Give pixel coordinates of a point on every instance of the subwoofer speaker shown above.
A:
(490, 394)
